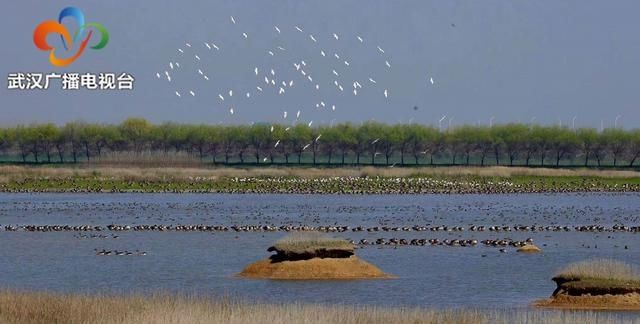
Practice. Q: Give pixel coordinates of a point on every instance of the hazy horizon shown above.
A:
(513, 61)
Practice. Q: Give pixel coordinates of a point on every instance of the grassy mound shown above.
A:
(596, 284)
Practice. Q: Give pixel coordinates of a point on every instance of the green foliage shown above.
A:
(345, 143)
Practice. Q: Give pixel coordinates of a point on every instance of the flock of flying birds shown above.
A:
(301, 73)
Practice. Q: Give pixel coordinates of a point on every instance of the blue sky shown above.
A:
(515, 60)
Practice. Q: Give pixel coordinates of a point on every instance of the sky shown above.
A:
(545, 61)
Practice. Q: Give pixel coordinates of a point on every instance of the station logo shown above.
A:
(74, 45)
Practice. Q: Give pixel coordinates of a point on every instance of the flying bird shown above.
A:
(233, 20)
(231, 110)
(193, 94)
(277, 29)
(380, 49)
(360, 39)
(178, 94)
(335, 36)
(221, 97)
(386, 93)
(298, 28)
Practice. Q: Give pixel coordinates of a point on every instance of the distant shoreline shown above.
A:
(367, 180)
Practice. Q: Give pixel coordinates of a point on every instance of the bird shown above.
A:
(322, 53)
(215, 46)
(386, 93)
(306, 146)
(255, 70)
(193, 94)
(380, 49)
(230, 93)
(284, 115)
(248, 95)
(372, 80)
(313, 38)
(231, 110)
(197, 57)
(333, 107)
(387, 63)
(221, 97)
(187, 44)
(335, 36)
(375, 141)
(207, 45)
(431, 80)
(360, 39)
(277, 29)
(178, 94)
(180, 50)
(171, 65)
(336, 73)
(158, 75)
(298, 29)
(311, 122)
(233, 20)
(277, 143)
(271, 129)
(317, 138)
(298, 114)
(259, 89)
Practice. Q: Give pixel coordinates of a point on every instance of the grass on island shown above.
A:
(31, 307)
(599, 274)
(309, 242)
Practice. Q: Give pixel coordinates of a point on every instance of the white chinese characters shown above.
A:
(70, 81)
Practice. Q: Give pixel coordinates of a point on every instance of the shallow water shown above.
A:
(205, 263)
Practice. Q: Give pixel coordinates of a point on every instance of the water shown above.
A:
(205, 263)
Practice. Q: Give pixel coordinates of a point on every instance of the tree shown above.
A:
(562, 142)
(587, 141)
(137, 132)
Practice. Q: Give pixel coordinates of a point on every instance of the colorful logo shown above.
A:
(56, 27)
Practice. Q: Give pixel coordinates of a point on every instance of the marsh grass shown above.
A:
(30, 307)
(309, 242)
(184, 169)
(606, 269)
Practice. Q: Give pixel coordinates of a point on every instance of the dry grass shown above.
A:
(188, 171)
(310, 242)
(148, 159)
(18, 307)
(601, 269)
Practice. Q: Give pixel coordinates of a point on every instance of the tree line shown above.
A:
(345, 143)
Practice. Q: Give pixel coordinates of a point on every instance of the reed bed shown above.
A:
(38, 307)
(188, 171)
(601, 269)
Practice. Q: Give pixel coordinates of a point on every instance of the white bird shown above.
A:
(341, 88)
(264, 160)
(333, 107)
(178, 94)
(221, 97)
(197, 57)
(335, 82)
(346, 63)
(158, 75)
(266, 80)
(171, 65)
(284, 84)
(168, 76)
(180, 50)
(245, 35)
(287, 129)
(387, 63)
(322, 53)
(322, 103)
(231, 110)
(372, 80)
(306, 146)
(177, 64)
(281, 48)
(281, 91)
(230, 93)
(335, 36)
(188, 45)
(310, 79)
(200, 72)
(215, 46)
(255, 70)
(278, 142)
(273, 72)
(298, 114)
(206, 77)
(431, 80)
(248, 95)
(273, 82)
(303, 63)
(336, 55)
(355, 92)
(313, 38)
(317, 87)
(297, 66)
(193, 94)
(233, 20)
(311, 122)
(271, 53)
(207, 45)
(336, 73)
(284, 115)
(303, 72)
(318, 138)
(290, 83)
(259, 89)
(360, 39)
(375, 141)
(380, 49)
(277, 29)
(386, 93)
(299, 29)
(272, 128)
(317, 105)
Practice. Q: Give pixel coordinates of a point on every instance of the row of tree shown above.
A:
(368, 143)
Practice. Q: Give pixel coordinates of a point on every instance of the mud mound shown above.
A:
(529, 248)
(601, 302)
(314, 269)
